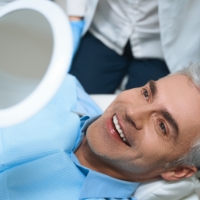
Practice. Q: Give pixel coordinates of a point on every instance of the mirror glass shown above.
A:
(26, 48)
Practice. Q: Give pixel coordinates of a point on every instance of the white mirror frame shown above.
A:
(59, 63)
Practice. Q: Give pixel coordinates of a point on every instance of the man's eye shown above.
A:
(145, 94)
(162, 127)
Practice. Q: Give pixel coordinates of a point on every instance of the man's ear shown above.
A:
(178, 172)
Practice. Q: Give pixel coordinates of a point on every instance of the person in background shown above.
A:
(144, 39)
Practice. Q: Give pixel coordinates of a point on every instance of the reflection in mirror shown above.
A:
(26, 48)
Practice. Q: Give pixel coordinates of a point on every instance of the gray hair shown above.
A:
(192, 158)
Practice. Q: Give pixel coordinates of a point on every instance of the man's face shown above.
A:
(157, 122)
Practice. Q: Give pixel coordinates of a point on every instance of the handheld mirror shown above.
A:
(35, 54)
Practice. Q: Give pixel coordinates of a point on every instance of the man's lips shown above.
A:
(116, 131)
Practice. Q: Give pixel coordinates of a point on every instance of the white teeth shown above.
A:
(115, 120)
(118, 128)
(120, 131)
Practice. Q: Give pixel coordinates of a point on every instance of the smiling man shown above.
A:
(148, 132)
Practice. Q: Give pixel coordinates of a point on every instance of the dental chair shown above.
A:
(35, 54)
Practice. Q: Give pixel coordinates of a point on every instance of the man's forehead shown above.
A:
(178, 83)
(175, 77)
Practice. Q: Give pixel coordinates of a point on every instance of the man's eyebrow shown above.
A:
(170, 120)
(153, 88)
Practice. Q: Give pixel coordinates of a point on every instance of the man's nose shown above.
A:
(139, 115)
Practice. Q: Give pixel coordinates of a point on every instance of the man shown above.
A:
(146, 133)
(142, 133)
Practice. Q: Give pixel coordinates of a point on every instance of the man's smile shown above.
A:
(116, 131)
